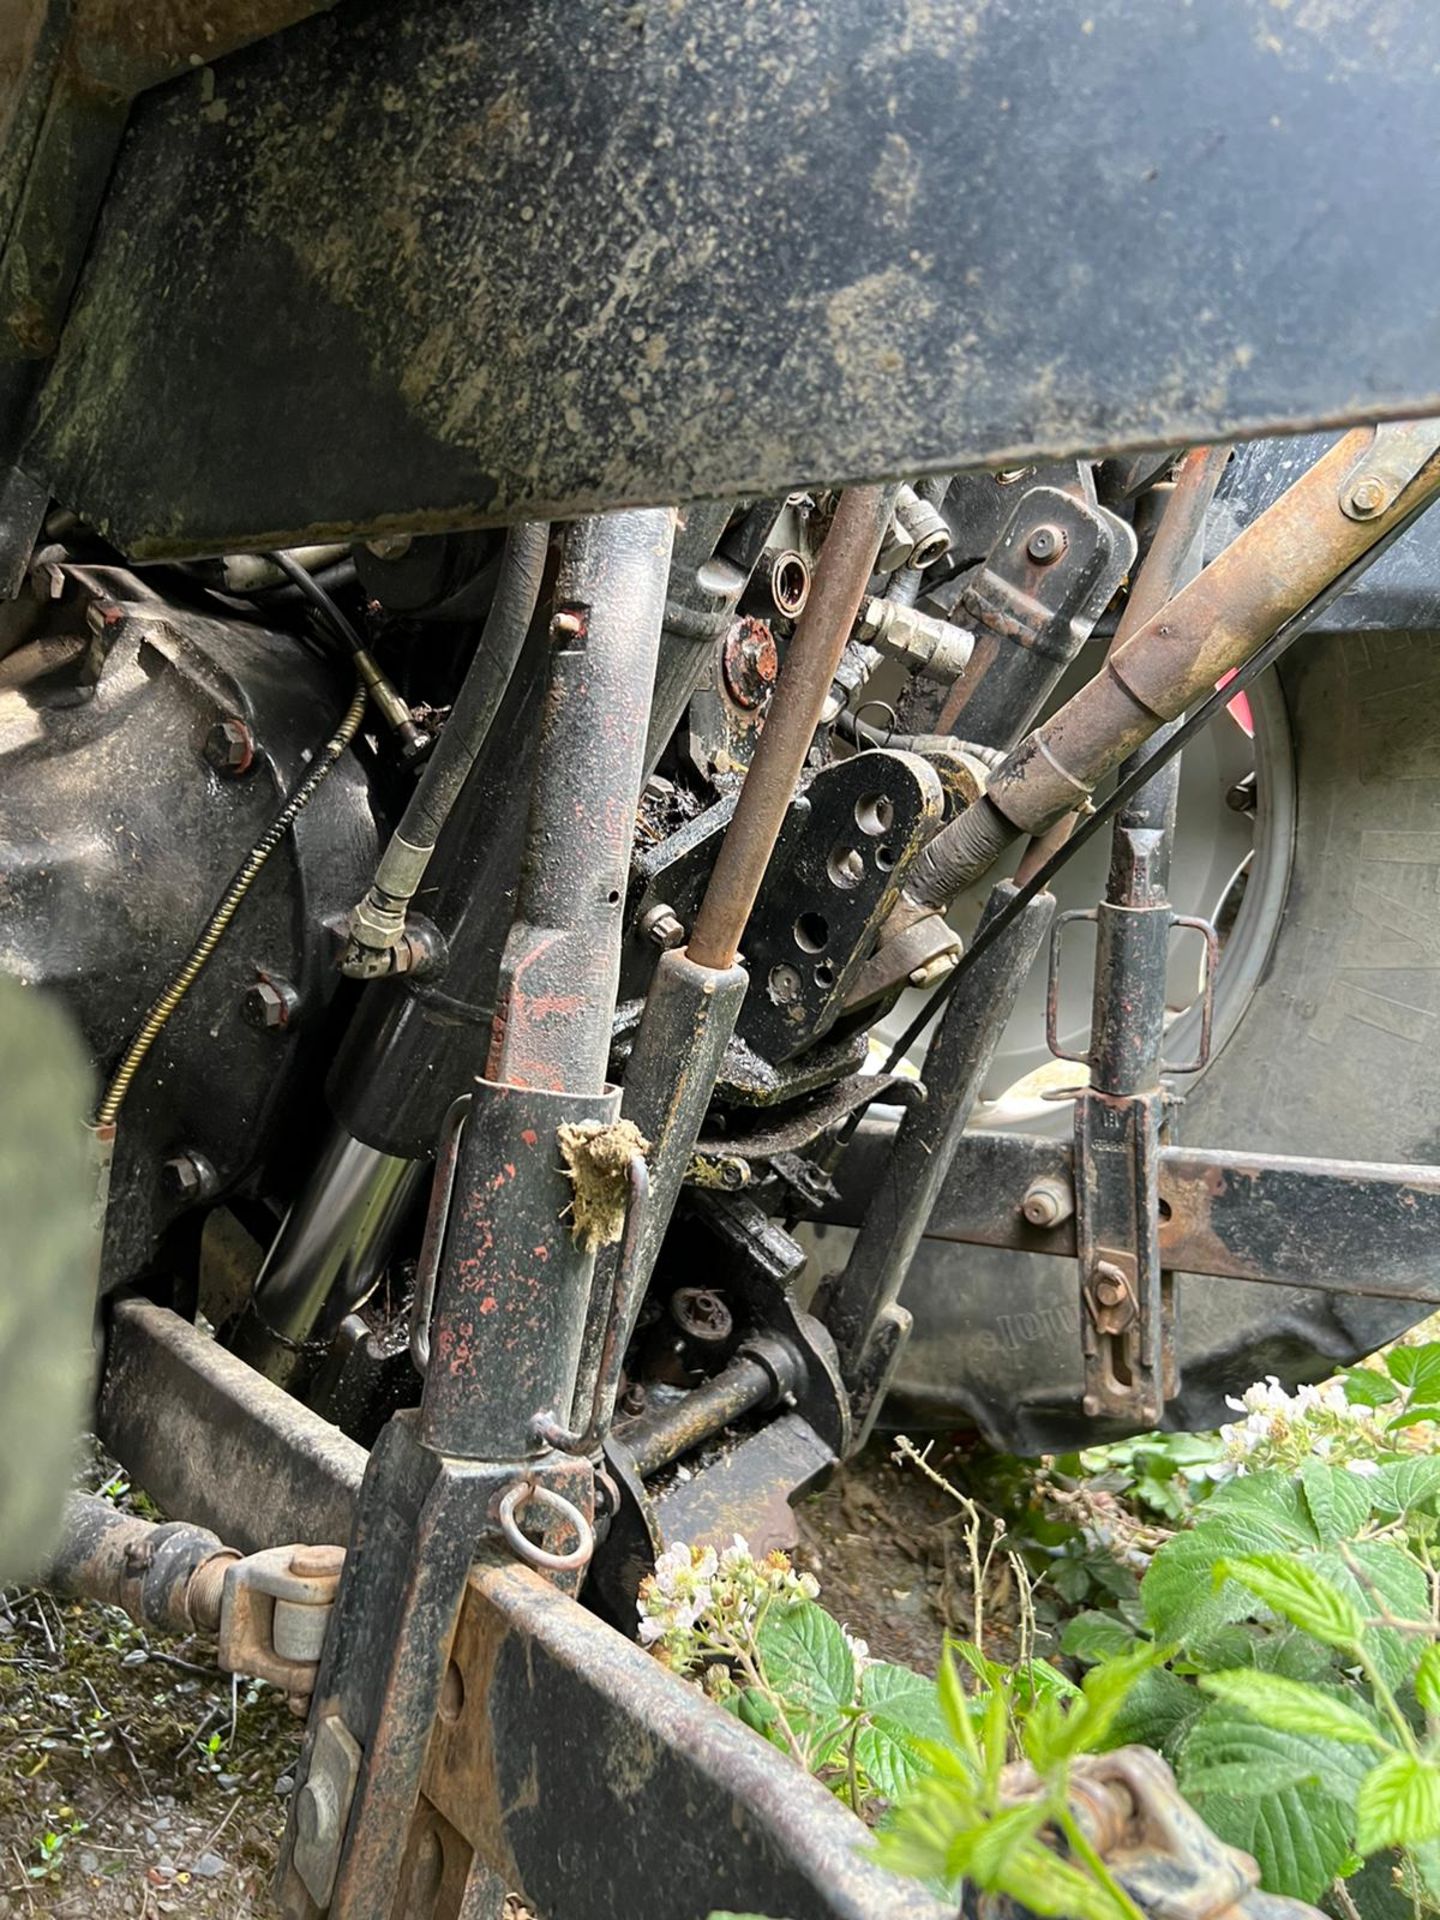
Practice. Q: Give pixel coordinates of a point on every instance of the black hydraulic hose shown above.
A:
(503, 635)
(377, 923)
(310, 589)
(1140, 775)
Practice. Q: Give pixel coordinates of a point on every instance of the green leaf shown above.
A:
(1095, 1636)
(1417, 1368)
(1259, 1513)
(1300, 1835)
(1339, 1501)
(1263, 1775)
(1405, 1486)
(903, 1712)
(1040, 1882)
(1417, 1414)
(1427, 1679)
(1391, 1579)
(1290, 1706)
(1291, 1587)
(1398, 1804)
(1364, 1387)
(1038, 1680)
(807, 1661)
(1159, 1712)
(955, 1706)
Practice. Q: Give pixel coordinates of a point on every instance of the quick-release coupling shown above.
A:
(926, 645)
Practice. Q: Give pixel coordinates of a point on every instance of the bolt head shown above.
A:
(568, 625)
(1110, 1289)
(230, 746)
(662, 927)
(784, 985)
(187, 1176)
(266, 1006)
(1368, 496)
(316, 1814)
(1045, 544)
(317, 1563)
(1040, 1207)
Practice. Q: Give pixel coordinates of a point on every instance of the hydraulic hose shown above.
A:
(378, 920)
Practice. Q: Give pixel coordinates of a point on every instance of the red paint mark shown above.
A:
(541, 1253)
(1239, 708)
(529, 1136)
(489, 1304)
(509, 1169)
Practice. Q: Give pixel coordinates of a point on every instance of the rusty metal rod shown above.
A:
(1416, 498)
(1281, 563)
(761, 1373)
(842, 573)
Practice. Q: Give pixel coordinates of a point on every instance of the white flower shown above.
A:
(1367, 1469)
(859, 1651)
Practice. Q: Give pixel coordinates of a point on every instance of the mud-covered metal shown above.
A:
(1049, 576)
(120, 834)
(166, 1575)
(650, 256)
(663, 1804)
(861, 1309)
(210, 1438)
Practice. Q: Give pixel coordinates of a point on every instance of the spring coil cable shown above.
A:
(155, 1020)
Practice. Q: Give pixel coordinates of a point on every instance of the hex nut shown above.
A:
(270, 1005)
(230, 747)
(1368, 496)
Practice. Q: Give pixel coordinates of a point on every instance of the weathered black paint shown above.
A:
(509, 260)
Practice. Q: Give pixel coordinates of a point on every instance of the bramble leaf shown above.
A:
(903, 1712)
(1093, 1636)
(1302, 1595)
(1290, 1706)
(807, 1660)
(1398, 1804)
(1427, 1679)
(1339, 1501)
(1417, 1368)
(1365, 1387)
(1405, 1486)
(1301, 1834)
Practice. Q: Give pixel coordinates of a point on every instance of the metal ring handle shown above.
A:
(1052, 987)
(1207, 994)
(525, 1549)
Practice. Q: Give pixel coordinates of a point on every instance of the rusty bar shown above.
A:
(862, 1312)
(562, 958)
(1270, 573)
(689, 1018)
(211, 1440)
(744, 1386)
(846, 562)
(593, 1782)
(1324, 1225)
